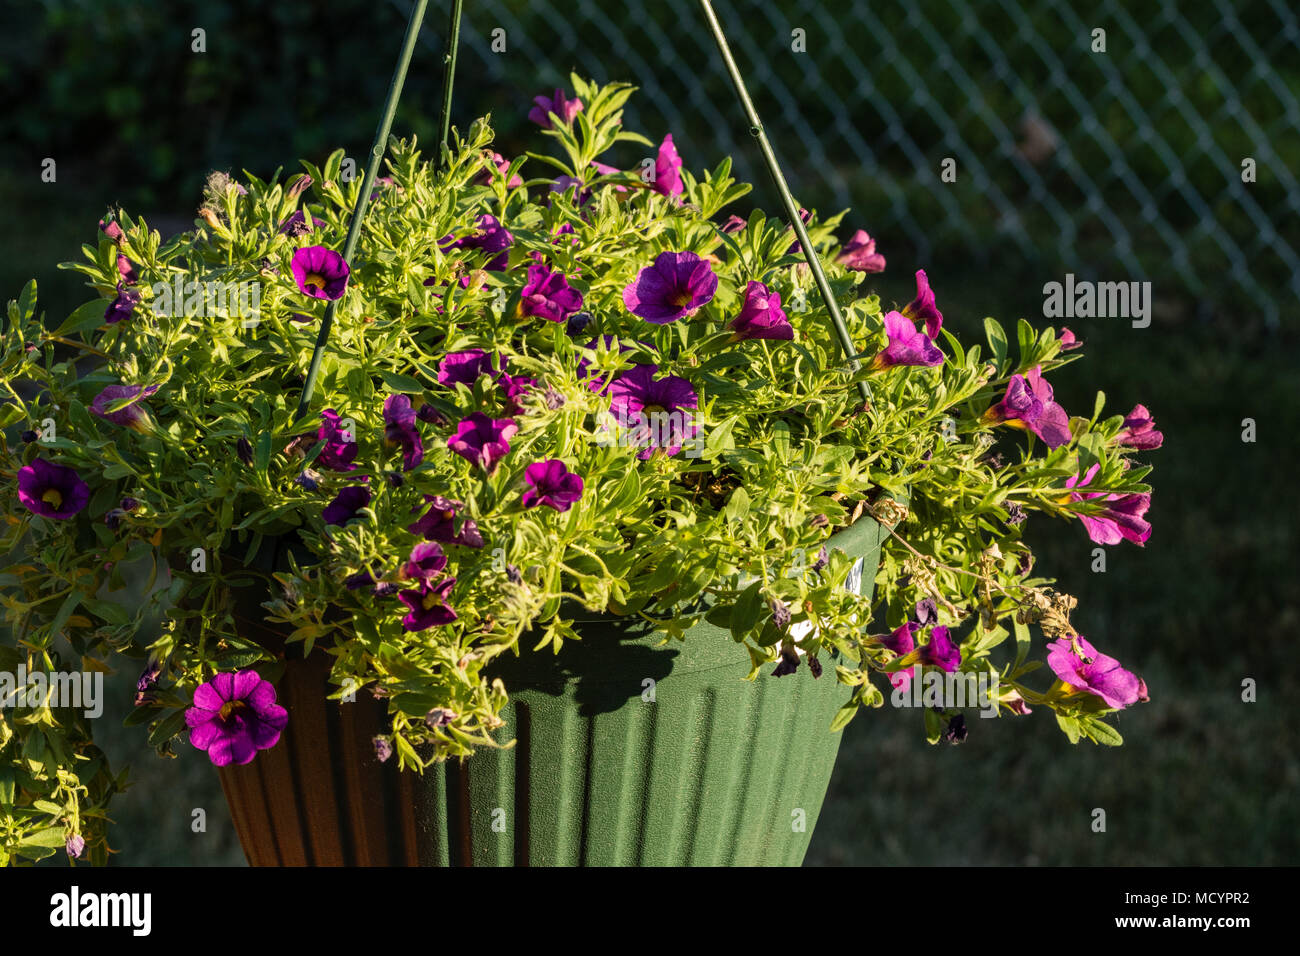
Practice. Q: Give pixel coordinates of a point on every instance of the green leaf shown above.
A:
(1103, 733)
(997, 337)
(738, 507)
(87, 316)
(745, 614)
(400, 383)
(844, 715)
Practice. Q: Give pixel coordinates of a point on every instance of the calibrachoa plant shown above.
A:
(588, 389)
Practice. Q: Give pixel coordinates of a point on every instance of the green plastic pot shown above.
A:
(626, 753)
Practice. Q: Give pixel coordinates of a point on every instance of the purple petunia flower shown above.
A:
(400, 430)
(132, 415)
(340, 445)
(50, 490)
(234, 716)
(563, 108)
(426, 561)
(676, 285)
(1067, 340)
(1122, 518)
(1140, 430)
(465, 367)
(320, 273)
(733, 224)
(122, 306)
(126, 270)
(1028, 404)
(482, 440)
(515, 387)
(805, 216)
(942, 652)
(438, 523)
(548, 295)
(902, 641)
(859, 254)
(74, 846)
(761, 317)
(502, 166)
(907, 345)
(112, 230)
(1094, 673)
(923, 307)
(490, 237)
(428, 605)
(383, 749)
(657, 412)
(346, 504)
(552, 484)
(668, 169)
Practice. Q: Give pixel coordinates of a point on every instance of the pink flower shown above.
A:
(1067, 340)
(859, 254)
(1122, 518)
(668, 165)
(1028, 404)
(1140, 430)
(563, 108)
(923, 307)
(907, 345)
(1094, 673)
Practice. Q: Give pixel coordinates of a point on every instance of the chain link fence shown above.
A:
(1163, 148)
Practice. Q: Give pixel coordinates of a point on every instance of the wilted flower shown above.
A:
(320, 272)
(859, 254)
(907, 345)
(383, 749)
(234, 716)
(482, 440)
(788, 664)
(1140, 430)
(551, 483)
(761, 317)
(244, 450)
(1122, 518)
(548, 295)
(1028, 404)
(145, 683)
(439, 717)
(563, 108)
(780, 613)
(74, 846)
(1094, 672)
(676, 285)
(300, 223)
(577, 322)
(50, 490)
(956, 732)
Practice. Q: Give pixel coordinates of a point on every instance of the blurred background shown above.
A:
(1168, 155)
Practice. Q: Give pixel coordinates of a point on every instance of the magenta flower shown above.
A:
(132, 415)
(564, 109)
(438, 523)
(1140, 430)
(515, 388)
(320, 273)
(923, 307)
(428, 604)
(1028, 404)
(400, 430)
(548, 295)
(668, 169)
(1122, 518)
(761, 317)
(234, 716)
(50, 490)
(492, 238)
(502, 166)
(805, 216)
(1067, 340)
(122, 306)
(482, 440)
(676, 285)
(1094, 673)
(346, 505)
(907, 345)
(859, 254)
(733, 224)
(340, 445)
(112, 230)
(465, 367)
(126, 270)
(551, 484)
(426, 561)
(901, 641)
(942, 651)
(145, 683)
(657, 412)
